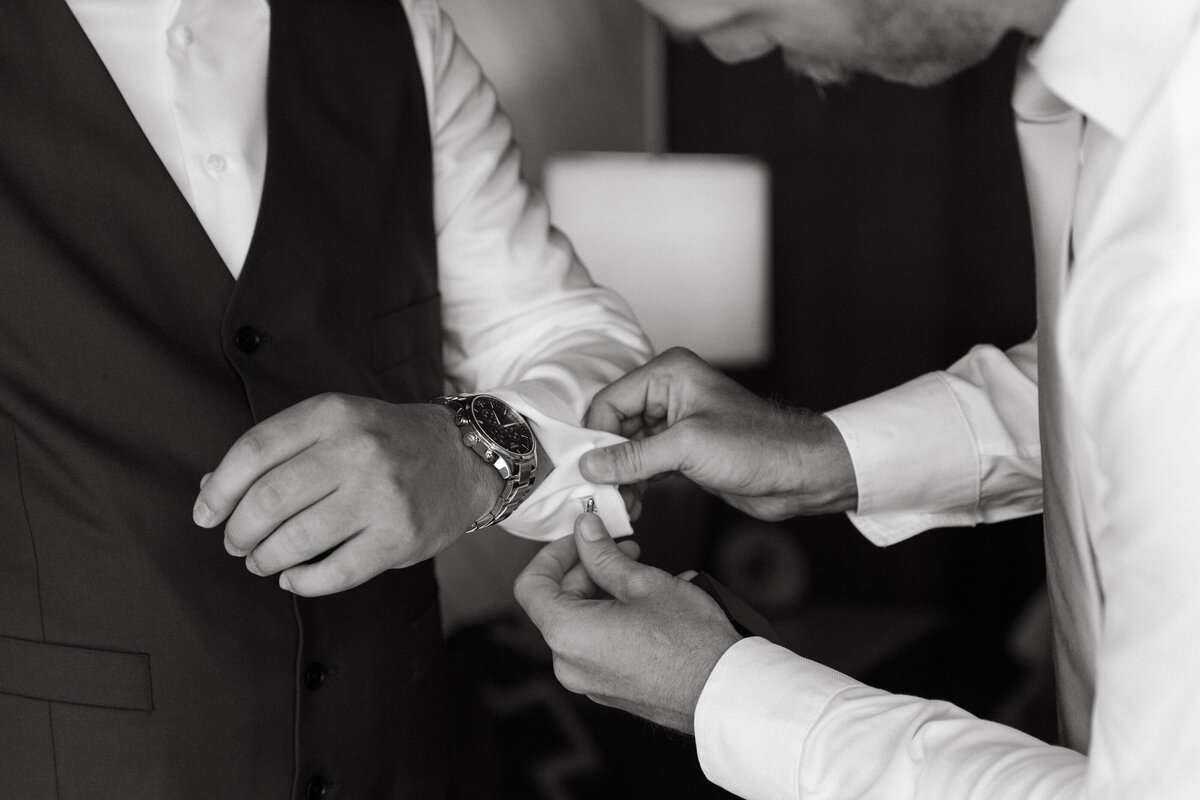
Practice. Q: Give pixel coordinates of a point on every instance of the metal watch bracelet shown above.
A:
(518, 475)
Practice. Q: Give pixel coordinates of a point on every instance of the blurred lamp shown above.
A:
(683, 238)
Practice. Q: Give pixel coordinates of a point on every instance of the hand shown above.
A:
(682, 415)
(379, 485)
(633, 637)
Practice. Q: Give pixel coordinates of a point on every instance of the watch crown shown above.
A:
(470, 438)
(489, 455)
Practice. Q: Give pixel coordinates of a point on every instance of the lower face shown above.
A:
(917, 42)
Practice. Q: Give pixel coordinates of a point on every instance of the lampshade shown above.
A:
(683, 238)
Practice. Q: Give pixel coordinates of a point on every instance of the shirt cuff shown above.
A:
(914, 458)
(754, 715)
(550, 511)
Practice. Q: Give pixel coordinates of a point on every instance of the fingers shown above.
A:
(632, 461)
(540, 584)
(631, 495)
(257, 451)
(622, 406)
(579, 583)
(277, 497)
(315, 530)
(645, 396)
(609, 567)
(354, 562)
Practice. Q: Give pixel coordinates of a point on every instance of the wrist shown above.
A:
(480, 484)
(503, 443)
(702, 672)
(827, 483)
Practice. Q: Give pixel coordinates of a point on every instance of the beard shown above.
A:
(821, 72)
(912, 42)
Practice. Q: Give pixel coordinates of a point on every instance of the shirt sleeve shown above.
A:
(522, 317)
(952, 448)
(1129, 332)
(1130, 335)
(771, 725)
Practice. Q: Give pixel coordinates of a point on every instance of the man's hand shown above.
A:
(682, 415)
(625, 634)
(369, 484)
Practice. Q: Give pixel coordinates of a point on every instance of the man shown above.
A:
(1110, 137)
(258, 229)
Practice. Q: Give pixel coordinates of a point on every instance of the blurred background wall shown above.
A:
(899, 238)
(571, 74)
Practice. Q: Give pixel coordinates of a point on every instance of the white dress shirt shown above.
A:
(1108, 110)
(522, 318)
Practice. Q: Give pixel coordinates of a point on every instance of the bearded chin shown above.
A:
(822, 73)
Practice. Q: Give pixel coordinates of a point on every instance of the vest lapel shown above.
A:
(93, 91)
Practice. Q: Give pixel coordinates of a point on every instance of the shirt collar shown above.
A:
(1107, 58)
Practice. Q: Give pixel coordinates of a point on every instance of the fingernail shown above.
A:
(232, 549)
(252, 565)
(593, 464)
(284, 583)
(202, 514)
(204, 480)
(591, 527)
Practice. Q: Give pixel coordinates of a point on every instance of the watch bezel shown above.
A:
(490, 441)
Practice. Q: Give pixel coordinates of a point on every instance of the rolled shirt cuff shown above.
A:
(557, 499)
(914, 458)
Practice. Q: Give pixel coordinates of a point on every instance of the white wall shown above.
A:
(571, 74)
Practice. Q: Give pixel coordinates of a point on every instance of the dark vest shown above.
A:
(137, 659)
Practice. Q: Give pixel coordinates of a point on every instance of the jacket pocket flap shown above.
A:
(79, 675)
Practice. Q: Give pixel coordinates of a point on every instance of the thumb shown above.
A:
(607, 564)
(629, 462)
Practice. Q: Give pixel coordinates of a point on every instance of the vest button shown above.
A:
(247, 339)
(314, 675)
(315, 789)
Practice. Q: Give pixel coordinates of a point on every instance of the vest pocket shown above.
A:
(397, 336)
(78, 675)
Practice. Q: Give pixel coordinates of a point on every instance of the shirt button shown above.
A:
(314, 676)
(247, 339)
(215, 162)
(185, 36)
(315, 789)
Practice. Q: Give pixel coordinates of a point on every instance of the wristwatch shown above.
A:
(503, 439)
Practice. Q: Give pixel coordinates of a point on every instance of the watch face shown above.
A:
(501, 425)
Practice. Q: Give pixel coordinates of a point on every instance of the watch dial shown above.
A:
(503, 426)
